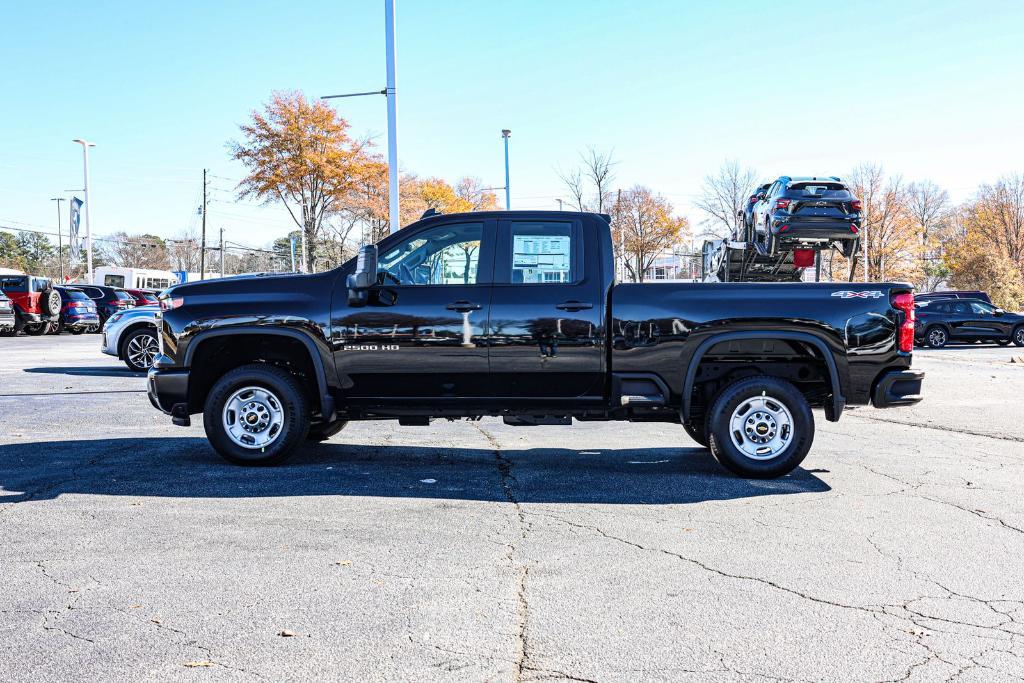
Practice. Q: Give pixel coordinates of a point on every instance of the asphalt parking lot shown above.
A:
(478, 551)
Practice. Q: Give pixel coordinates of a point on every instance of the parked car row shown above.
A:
(35, 305)
(966, 317)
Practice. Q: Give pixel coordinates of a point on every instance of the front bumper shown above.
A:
(168, 392)
(898, 388)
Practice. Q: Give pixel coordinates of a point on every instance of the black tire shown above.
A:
(739, 400)
(76, 331)
(139, 349)
(292, 402)
(697, 432)
(35, 329)
(936, 337)
(850, 247)
(49, 302)
(325, 430)
(1017, 336)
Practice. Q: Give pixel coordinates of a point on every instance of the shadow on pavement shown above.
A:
(188, 468)
(88, 371)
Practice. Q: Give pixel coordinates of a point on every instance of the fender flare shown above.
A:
(326, 400)
(838, 399)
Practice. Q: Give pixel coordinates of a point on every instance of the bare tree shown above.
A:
(590, 185)
(723, 195)
(928, 205)
(135, 251)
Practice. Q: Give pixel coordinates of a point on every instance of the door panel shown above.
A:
(422, 332)
(547, 312)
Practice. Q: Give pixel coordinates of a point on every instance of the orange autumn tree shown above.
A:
(299, 153)
(643, 228)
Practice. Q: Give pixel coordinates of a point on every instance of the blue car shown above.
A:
(77, 312)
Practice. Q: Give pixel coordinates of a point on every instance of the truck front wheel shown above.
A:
(256, 414)
(760, 427)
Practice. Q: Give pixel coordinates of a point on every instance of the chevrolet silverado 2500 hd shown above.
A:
(517, 314)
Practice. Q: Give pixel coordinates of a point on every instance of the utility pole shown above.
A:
(60, 246)
(559, 200)
(88, 225)
(864, 239)
(202, 241)
(222, 251)
(506, 133)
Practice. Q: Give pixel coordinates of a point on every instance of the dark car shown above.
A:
(77, 312)
(6, 315)
(517, 314)
(954, 294)
(109, 300)
(941, 321)
(144, 297)
(36, 303)
(804, 212)
(747, 213)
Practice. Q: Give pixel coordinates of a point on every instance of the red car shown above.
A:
(143, 297)
(36, 303)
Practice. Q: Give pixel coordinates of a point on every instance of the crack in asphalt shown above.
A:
(509, 483)
(941, 428)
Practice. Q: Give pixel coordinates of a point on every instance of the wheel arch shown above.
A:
(122, 339)
(838, 398)
(322, 396)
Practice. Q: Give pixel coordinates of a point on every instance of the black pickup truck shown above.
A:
(517, 314)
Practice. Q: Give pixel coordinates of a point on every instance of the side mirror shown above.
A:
(998, 311)
(365, 276)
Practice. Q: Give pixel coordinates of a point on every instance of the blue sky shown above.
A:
(928, 89)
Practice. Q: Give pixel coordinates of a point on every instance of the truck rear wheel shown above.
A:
(256, 414)
(760, 427)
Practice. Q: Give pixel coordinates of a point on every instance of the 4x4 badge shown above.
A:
(865, 294)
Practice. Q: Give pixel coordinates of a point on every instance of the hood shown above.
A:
(250, 283)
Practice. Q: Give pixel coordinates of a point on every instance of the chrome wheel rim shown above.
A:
(761, 427)
(142, 350)
(936, 338)
(253, 417)
(1019, 337)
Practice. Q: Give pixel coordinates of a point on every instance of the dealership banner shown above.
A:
(76, 217)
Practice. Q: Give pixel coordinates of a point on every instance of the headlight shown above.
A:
(117, 316)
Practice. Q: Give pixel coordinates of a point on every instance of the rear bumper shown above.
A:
(814, 229)
(168, 392)
(898, 388)
(86, 321)
(6, 322)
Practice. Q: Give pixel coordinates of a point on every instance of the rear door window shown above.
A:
(543, 252)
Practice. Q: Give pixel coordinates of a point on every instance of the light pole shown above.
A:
(506, 134)
(390, 93)
(88, 226)
(389, 40)
(60, 246)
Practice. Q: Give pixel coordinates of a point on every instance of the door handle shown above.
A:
(574, 306)
(463, 306)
